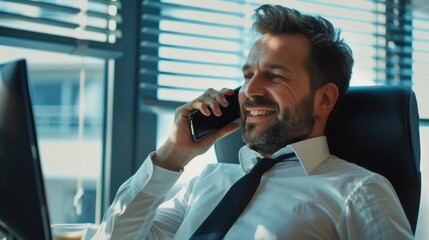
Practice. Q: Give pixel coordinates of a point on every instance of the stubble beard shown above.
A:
(295, 125)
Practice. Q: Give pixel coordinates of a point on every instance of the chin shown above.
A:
(252, 135)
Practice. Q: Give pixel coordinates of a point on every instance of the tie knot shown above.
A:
(265, 164)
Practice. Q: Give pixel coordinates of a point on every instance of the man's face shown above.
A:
(276, 100)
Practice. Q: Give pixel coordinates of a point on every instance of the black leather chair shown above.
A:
(375, 127)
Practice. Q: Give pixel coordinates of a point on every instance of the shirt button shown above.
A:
(145, 176)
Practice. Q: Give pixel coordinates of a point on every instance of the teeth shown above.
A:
(259, 112)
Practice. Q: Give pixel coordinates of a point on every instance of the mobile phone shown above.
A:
(202, 126)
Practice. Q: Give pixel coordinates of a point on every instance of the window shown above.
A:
(420, 59)
(67, 45)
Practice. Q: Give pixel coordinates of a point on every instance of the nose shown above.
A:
(255, 87)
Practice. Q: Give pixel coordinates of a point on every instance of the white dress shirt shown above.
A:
(318, 197)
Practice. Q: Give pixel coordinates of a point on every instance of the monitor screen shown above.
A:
(23, 208)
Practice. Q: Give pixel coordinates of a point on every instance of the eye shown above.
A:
(276, 77)
(247, 77)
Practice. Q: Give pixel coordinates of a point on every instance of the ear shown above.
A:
(325, 99)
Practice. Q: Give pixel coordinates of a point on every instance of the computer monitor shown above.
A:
(23, 207)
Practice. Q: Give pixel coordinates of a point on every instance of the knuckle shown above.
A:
(211, 90)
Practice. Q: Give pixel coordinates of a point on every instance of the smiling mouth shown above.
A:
(257, 113)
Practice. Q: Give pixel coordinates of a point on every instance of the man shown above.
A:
(295, 74)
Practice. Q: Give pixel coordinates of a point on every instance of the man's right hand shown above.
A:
(179, 149)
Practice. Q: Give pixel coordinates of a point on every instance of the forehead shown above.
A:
(292, 50)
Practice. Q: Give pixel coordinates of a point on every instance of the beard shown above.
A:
(295, 125)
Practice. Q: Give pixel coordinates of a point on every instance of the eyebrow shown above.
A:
(270, 66)
(245, 67)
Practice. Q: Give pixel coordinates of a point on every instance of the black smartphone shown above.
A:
(202, 126)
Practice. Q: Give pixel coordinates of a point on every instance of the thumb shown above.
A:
(225, 131)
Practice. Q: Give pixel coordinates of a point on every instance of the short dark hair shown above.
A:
(331, 59)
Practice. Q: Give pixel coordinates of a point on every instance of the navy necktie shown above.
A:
(235, 201)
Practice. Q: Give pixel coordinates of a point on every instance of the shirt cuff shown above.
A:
(154, 180)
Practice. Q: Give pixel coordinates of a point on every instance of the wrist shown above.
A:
(168, 157)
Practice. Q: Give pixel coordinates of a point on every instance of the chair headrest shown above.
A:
(378, 128)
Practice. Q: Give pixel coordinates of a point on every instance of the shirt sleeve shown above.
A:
(373, 211)
(132, 213)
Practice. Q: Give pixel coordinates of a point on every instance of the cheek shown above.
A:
(284, 105)
(288, 99)
(241, 98)
(283, 113)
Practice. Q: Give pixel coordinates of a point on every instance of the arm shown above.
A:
(136, 202)
(374, 212)
(179, 149)
(132, 213)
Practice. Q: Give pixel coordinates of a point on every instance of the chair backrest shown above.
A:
(375, 127)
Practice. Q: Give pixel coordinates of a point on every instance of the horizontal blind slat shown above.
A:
(85, 22)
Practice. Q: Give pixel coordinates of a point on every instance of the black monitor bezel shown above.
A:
(31, 219)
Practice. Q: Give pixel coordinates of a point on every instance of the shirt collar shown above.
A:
(310, 153)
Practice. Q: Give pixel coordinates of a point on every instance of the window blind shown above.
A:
(190, 45)
(85, 27)
(420, 60)
(187, 46)
(398, 43)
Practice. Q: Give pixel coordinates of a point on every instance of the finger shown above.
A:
(228, 129)
(222, 98)
(215, 107)
(185, 109)
(200, 105)
(227, 91)
(210, 100)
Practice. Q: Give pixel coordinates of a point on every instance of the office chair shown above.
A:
(375, 127)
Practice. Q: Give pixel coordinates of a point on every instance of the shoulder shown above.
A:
(335, 165)
(352, 178)
(219, 173)
(368, 197)
(221, 168)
